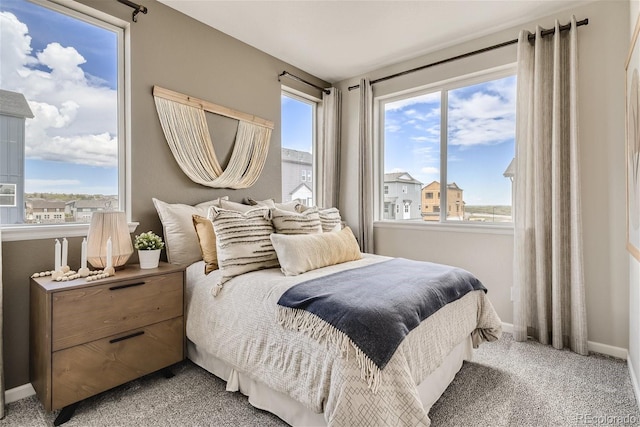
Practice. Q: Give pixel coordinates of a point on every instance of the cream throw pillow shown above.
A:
(289, 222)
(301, 253)
(180, 239)
(287, 206)
(242, 241)
(207, 240)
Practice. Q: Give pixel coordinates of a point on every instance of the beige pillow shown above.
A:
(287, 206)
(181, 241)
(235, 206)
(288, 222)
(301, 253)
(242, 241)
(207, 240)
(329, 217)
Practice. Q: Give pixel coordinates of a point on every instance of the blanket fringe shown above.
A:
(307, 322)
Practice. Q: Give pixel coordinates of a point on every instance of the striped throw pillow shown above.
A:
(288, 222)
(242, 241)
(329, 218)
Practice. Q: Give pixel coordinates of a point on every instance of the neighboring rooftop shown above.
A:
(400, 177)
(14, 104)
(296, 156)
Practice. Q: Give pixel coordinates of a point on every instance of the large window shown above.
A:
(461, 134)
(298, 140)
(62, 113)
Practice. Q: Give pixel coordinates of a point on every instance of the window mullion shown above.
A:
(443, 154)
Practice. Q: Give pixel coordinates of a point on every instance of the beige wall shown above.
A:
(174, 51)
(603, 46)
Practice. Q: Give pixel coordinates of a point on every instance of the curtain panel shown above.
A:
(548, 265)
(365, 169)
(328, 156)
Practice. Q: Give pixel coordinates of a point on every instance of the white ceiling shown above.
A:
(335, 40)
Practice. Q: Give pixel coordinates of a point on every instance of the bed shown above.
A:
(235, 330)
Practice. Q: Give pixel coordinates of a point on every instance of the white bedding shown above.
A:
(239, 328)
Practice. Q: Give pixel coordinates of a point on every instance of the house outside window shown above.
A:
(298, 145)
(477, 114)
(68, 80)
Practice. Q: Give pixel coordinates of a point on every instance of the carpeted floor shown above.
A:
(507, 384)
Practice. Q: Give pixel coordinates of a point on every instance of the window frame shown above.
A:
(19, 232)
(316, 104)
(443, 86)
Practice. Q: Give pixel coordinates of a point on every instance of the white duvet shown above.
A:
(239, 327)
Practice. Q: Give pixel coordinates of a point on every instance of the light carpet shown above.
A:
(507, 384)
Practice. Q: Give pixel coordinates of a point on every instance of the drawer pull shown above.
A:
(126, 337)
(130, 285)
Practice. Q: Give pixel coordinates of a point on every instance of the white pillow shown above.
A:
(180, 238)
(291, 222)
(299, 253)
(242, 241)
(287, 206)
(235, 206)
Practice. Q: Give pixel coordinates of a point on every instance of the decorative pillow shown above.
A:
(301, 253)
(288, 206)
(329, 217)
(181, 241)
(207, 240)
(242, 242)
(288, 222)
(235, 206)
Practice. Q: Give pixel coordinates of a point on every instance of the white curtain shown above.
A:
(328, 156)
(365, 170)
(1, 338)
(548, 267)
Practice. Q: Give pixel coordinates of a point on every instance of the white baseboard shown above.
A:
(634, 380)
(609, 350)
(19, 392)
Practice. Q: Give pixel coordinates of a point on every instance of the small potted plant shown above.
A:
(149, 246)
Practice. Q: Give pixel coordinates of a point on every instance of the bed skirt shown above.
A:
(296, 414)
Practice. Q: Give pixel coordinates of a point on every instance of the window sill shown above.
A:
(12, 233)
(506, 228)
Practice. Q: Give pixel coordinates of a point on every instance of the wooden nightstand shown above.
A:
(88, 337)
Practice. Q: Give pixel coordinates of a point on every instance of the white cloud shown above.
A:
(75, 116)
(430, 170)
(403, 103)
(485, 118)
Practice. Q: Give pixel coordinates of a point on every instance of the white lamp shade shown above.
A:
(105, 225)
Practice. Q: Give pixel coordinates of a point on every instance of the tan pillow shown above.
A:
(305, 252)
(207, 240)
(242, 241)
(289, 222)
(181, 241)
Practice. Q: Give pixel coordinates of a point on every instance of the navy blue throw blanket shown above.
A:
(377, 305)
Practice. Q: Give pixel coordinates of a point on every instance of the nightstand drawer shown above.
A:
(85, 370)
(90, 313)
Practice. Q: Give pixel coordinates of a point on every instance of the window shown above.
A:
(65, 78)
(298, 142)
(404, 189)
(406, 208)
(386, 189)
(461, 133)
(8, 195)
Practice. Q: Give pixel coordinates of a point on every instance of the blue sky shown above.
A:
(481, 131)
(297, 124)
(67, 70)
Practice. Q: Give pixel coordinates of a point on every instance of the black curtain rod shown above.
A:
(288, 74)
(137, 8)
(532, 37)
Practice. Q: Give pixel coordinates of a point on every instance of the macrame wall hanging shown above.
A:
(185, 128)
